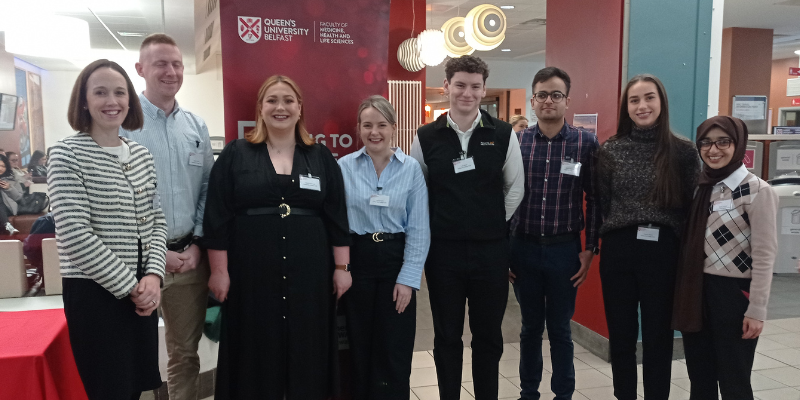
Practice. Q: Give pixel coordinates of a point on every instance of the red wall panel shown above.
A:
(585, 39)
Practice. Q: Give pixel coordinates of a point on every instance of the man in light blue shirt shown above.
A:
(180, 145)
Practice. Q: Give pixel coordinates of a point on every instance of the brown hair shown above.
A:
(468, 64)
(157, 38)
(261, 134)
(77, 113)
(667, 192)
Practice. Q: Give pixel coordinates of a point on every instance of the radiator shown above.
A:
(406, 97)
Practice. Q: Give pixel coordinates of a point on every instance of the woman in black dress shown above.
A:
(278, 241)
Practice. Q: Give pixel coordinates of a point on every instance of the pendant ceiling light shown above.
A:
(431, 47)
(485, 27)
(455, 42)
(408, 55)
(52, 36)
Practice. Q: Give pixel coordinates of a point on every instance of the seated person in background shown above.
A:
(10, 194)
(38, 167)
(43, 228)
(22, 176)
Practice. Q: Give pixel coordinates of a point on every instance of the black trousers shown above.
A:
(639, 274)
(4, 213)
(381, 339)
(718, 354)
(477, 272)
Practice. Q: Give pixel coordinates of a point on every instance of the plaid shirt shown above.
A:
(553, 202)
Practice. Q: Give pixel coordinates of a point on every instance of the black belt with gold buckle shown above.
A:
(284, 210)
(378, 237)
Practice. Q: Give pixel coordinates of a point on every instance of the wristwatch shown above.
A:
(596, 250)
(343, 267)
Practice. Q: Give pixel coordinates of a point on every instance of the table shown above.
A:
(36, 359)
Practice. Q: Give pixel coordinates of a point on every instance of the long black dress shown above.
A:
(278, 326)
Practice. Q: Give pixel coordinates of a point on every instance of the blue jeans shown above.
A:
(545, 293)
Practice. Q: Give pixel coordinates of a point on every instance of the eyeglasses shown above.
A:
(556, 96)
(721, 144)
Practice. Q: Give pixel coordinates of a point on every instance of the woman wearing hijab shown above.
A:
(724, 278)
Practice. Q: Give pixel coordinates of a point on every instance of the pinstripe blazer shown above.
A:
(99, 222)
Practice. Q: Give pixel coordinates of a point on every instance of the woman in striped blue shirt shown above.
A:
(387, 209)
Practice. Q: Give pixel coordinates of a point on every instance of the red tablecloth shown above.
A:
(36, 359)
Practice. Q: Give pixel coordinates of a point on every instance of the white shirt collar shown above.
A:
(459, 131)
(735, 179)
(398, 154)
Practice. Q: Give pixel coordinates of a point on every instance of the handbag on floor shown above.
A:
(33, 203)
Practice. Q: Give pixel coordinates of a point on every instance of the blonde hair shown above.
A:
(261, 134)
(514, 119)
(379, 103)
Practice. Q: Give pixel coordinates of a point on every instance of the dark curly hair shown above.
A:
(468, 64)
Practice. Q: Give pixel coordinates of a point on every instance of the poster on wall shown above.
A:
(585, 121)
(790, 221)
(749, 158)
(750, 107)
(335, 50)
(788, 159)
(8, 112)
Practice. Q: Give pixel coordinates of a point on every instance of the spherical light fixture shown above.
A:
(455, 43)
(485, 27)
(408, 55)
(431, 47)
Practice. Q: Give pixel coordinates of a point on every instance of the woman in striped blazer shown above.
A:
(111, 236)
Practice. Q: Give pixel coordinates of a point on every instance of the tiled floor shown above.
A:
(776, 370)
(776, 373)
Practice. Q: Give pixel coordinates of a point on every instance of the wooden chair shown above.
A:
(51, 266)
(13, 281)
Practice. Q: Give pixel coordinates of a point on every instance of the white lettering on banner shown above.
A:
(282, 30)
(334, 33)
(337, 140)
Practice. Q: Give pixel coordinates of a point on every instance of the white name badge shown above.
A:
(196, 159)
(467, 164)
(722, 205)
(647, 233)
(570, 168)
(379, 200)
(309, 182)
(156, 201)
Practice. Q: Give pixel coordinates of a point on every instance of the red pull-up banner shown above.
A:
(336, 51)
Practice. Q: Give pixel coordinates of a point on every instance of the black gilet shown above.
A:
(469, 205)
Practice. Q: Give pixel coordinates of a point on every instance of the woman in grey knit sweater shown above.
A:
(646, 178)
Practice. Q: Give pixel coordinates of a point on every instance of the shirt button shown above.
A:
(284, 297)
(282, 198)
(542, 216)
(284, 257)
(545, 179)
(284, 317)
(284, 238)
(284, 277)
(544, 198)
(147, 246)
(547, 161)
(139, 190)
(143, 220)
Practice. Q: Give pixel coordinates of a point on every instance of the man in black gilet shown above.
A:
(473, 166)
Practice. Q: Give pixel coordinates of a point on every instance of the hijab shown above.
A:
(688, 304)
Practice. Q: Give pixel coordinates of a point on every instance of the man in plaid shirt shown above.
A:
(547, 261)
